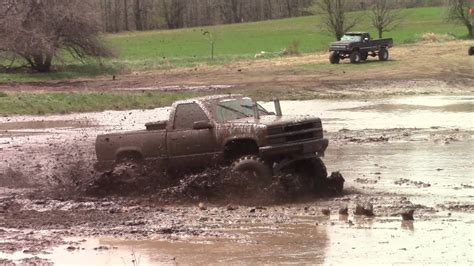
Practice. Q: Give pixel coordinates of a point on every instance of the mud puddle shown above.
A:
(396, 154)
(451, 112)
(306, 239)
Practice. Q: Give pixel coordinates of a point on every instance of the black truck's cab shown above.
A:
(358, 46)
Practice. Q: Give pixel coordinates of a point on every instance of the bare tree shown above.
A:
(37, 30)
(125, 14)
(384, 17)
(460, 11)
(334, 16)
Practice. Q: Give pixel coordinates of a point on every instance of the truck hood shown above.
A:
(273, 120)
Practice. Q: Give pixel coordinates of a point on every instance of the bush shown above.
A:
(292, 49)
(433, 37)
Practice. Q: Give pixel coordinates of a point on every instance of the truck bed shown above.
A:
(150, 144)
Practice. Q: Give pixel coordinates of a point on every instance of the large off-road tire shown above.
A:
(383, 54)
(471, 50)
(254, 169)
(355, 57)
(334, 57)
(311, 175)
(364, 56)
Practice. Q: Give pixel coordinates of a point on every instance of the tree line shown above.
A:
(126, 15)
(138, 15)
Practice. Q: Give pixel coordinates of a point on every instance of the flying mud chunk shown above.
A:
(231, 131)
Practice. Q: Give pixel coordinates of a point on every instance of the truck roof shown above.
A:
(356, 33)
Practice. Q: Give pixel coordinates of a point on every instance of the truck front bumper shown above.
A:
(295, 148)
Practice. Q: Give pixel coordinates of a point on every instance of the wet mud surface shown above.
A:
(394, 159)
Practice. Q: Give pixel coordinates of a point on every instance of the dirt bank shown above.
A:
(422, 68)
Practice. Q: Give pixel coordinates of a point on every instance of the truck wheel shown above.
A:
(471, 51)
(355, 57)
(311, 174)
(383, 54)
(364, 56)
(318, 173)
(334, 57)
(253, 168)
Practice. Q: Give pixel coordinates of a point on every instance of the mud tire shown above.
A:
(254, 168)
(383, 54)
(364, 56)
(355, 57)
(334, 57)
(311, 175)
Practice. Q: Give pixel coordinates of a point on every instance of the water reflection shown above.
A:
(408, 225)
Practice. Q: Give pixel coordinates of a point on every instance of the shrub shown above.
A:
(292, 49)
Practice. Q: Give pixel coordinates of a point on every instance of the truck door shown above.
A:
(188, 147)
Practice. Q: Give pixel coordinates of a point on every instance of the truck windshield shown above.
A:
(351, 38)
(231, 109)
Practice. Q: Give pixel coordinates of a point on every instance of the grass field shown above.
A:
(245, 40)
(60, 103)
(188, 47)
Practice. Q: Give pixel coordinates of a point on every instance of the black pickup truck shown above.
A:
(358, 46)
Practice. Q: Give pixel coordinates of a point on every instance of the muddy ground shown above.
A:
(396, 154)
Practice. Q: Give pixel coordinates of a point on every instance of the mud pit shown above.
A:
(396, 154)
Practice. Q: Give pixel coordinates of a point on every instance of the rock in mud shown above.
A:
(344, 211)
(231, 208)
(367, 210)
(326, 212)
(202, 206)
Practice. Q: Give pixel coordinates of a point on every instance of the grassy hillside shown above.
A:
(186, 47)
(244, 40)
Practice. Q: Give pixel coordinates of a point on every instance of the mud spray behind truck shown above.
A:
(229, 130)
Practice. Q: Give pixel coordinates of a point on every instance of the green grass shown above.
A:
(272, 36)
(61, 102)
(168, 49)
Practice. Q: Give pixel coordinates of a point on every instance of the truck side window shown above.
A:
(187, 114)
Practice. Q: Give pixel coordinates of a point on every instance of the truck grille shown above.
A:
(294, 133)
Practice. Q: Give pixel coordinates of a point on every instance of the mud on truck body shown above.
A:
(222, 130)
(358, 46)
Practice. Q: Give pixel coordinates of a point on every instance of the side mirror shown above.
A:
(202, 125)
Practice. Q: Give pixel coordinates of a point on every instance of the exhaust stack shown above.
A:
(255, 110)
(277, 107)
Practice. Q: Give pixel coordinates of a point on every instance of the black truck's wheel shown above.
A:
(383, 54)
(253, 168)
(334, 57)
(471, 50)
(364, 56)
(355, 57)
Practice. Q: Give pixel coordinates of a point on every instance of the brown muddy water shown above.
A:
(398, 153)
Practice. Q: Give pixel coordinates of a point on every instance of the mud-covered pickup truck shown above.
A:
(358, 46)
(222, 130)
